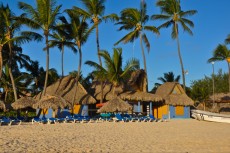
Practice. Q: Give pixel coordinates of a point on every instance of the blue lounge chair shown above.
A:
(36, 120)
(6, 121)
(15, 121)
(118, 118)
(52, 120)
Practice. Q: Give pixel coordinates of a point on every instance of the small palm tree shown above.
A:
(168, 77)
(113, 71)
(221, 53)
(174, 15)
(42, 17)
(134, 20)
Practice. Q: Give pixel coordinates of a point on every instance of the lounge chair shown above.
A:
(6, 121)
(15, 121)
(52, 120)
(118, 118)
(36, 120)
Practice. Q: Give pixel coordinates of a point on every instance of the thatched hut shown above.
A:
(66, 88)
(115, 105)
(177, 103)
(51, 102)
(109, 91)
(2, 106)
(221, 102)
(23, 102)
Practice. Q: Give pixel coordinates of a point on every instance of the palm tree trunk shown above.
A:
(145, 67)
(1, 61)
(62, 61)
(47, 65)
(228, 77)
(179, 54)
(11, 74)
(78, 75)
(98, 50)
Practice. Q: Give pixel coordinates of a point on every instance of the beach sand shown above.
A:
(186, 136)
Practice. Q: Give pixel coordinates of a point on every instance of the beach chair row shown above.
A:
(67, 119)
(10, 121)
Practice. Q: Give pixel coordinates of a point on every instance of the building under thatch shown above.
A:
(221, 102)
(177, 103)
(109, 91)
(140, 96)
(24, 102)
(66, 88)
(2, 106)
(115, 105)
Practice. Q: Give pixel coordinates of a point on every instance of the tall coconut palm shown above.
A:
(79, 31)
(174, 16)
(135, 20)
(227, 40)
(221, 53)
(61, 39)
(94, 10)
(113, 70)
(41, 17)
(9, 26)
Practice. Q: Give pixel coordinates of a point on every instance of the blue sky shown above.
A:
(211, 28)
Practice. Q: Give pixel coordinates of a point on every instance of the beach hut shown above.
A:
(2, 106)
(50, 105)
(142, 101)
(66, 88)
(115, 105)
(136, 93)
(176, 102)
(221, 102)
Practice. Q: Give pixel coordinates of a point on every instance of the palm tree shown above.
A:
(79, 31)
(10, 24)
(134, 20)
(94, 10)
(227, 40)
(221, 53)
(113, 71)
(42, 17)
(168, 77)
(61, 39)
(173, 15)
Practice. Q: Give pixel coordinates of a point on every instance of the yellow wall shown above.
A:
(160, 111)
(76, 109)
(44, 111)
(179, 110)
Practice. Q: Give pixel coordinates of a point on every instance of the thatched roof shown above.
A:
(220, 97)
(108, 90)
(173, 94)
(50, 101)
(66, 88)
(138, 80)
(115, 105)
(2, 106)
(141, 96)
(23, 102)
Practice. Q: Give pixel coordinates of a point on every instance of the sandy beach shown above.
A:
(187, 136)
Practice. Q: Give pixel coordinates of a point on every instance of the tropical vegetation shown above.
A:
(72, 28)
